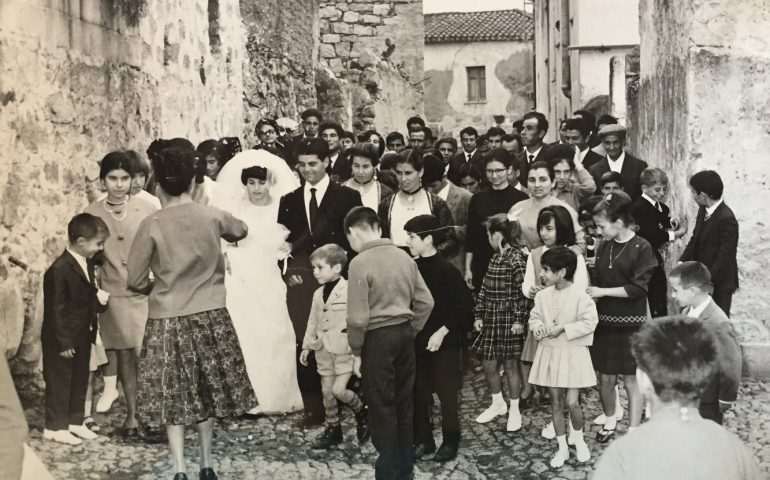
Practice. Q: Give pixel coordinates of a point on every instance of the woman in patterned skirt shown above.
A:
(191, 368)
(501, 312)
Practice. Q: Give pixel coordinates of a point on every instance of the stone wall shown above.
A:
(702, 103)
(282, 41)
(76, 81)
(370, 65)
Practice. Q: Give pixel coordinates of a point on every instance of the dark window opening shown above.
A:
(477, 84)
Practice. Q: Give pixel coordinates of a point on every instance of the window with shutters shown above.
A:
(477, 84)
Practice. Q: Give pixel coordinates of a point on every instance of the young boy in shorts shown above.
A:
(326, 336)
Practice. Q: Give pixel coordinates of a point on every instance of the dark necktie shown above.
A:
(531, 158)
(313, 207)
(468, 157)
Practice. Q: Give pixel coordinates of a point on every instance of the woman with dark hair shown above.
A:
(250, 186)
(541, 180)
(121, 326)
(191, 367)
(364, 160)
(371, 136)
(268, 133)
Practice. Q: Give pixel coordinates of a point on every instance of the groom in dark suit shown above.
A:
(314, 214)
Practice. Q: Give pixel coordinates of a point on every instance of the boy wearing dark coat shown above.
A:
(438, 344)
(71, 304)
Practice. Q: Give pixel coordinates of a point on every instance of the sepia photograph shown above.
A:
(384, 239)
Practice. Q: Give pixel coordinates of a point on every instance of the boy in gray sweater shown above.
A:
(388, 304)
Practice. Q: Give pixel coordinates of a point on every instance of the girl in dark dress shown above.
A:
(624, 264)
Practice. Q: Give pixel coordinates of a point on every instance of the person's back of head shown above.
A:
(708, 182)
(363, 218)
(175, 169)
(433, 168)
(605, 120)
(677, 357)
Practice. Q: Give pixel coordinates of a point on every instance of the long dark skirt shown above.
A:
(191, 369)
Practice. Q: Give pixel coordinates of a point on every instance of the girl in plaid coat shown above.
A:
(501, 313)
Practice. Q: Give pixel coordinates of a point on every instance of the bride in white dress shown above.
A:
(250, 186)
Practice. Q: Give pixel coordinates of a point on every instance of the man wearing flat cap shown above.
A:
(613, 138)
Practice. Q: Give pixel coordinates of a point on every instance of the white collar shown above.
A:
(444, 192)
(619, 160)
(534, 154)
(320, 188)
(469, 155)
(82, 261)
(695, 312)
(710, 210)
(647, 197)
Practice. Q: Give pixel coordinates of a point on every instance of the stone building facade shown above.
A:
(371, 63)
(478, 69)
(698, 99)
(81, 78)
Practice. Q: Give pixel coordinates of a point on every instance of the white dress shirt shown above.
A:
(81, 261)
(320, 191)
(617, 165)
(710, 210)
(333, 160)
(444, 192)
(532, 154)
(695, 312)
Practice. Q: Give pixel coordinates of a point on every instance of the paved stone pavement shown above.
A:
(275, 448)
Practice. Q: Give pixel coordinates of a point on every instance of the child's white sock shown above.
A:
(515, 405)
(110, 383)
(562, 454)
(581, 448)
(497, 399)
(611, 423)
(89, 403)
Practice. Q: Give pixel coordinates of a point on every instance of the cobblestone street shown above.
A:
(275, 448)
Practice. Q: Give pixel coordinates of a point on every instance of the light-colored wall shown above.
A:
(702, 104)
(509, 83)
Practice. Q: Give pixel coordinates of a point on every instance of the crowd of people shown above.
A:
(330, 270)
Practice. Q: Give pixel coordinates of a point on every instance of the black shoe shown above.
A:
(207, 474)
(604, 435)
(422, 449)
(312, 421)
(331, 436)
(362, 425)
(445, 453)
(180, 476)
(153, 436)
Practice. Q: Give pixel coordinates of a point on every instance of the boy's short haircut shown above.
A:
(469, 131)
(679, 354)
(87, 227)
(413, 120)
(332, 254)
(393, 136)
(469, 170)
(693, 274)
(361, 217)
(517, 125)
(311, 112)
(653, 175)
(424, 225)
(331, 126)
(556, 258)
(611, 177)
(428, 133)
(349, 135)
(579, 124)
(433, 168)
(495, 132)
(313, 146)
(708, 182)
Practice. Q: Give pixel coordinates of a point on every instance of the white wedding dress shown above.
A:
(256, 292)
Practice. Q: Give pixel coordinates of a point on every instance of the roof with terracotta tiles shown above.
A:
(491, 26)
